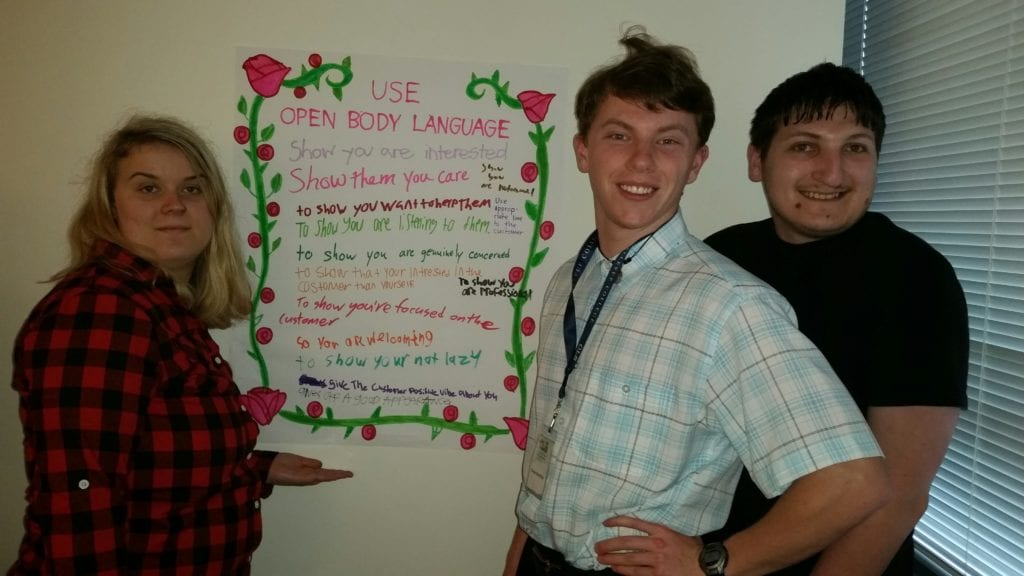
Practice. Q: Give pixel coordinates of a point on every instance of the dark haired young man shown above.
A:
(883, 306)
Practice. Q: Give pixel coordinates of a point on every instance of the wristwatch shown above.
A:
(713, 558)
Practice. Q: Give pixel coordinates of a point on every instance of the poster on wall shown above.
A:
(398, 222)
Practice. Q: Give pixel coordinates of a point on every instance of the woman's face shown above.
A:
(161, 207)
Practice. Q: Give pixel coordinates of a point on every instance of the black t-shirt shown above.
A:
(885, 309)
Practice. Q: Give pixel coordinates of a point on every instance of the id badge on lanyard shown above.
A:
(539, 463)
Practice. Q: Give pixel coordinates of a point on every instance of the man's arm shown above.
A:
(914, 440)
(515, 550)
(816, 509)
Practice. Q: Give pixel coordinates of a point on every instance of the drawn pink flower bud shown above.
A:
(529, 172)
(254, 239)
(451, 413)
(241, 134)
(535, 104)
(511, 382)
(300, 92)
(265, 152)
(315, 60)
(315, 409)
(547, 229)
(273, 209)
(263, 403)
(267, 295)
(467, 441)
(264, 335)
(265, 74)
(369, 432)
(528, 325)
(515, 274)
(520, 428)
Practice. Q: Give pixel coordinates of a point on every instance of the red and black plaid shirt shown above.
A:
(139, 456)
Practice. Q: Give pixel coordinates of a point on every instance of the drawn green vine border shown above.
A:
(515, 357)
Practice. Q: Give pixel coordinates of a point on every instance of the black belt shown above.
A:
(538, 560)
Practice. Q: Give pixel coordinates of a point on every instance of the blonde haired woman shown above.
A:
(139, 454)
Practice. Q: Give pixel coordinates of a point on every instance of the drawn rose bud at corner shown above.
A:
(467, 441)
(263, 403)
(535, 104)
(511, 382)
(529, 172)
(265, 74)
(519, 427)
(315, 409)
(264, 335)
(369, 432)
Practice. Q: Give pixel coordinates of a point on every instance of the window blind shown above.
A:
(951, 77)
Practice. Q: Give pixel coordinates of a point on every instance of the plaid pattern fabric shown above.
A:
(693, 369)
(139, 456)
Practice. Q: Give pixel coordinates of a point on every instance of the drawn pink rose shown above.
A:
(267, 295)
(315, 60)
(315, 409)
(265, 152)
(273, 209)
(511, 382)
(528, 325)
(263, 403)
(264, 335)
(242, 134)
(547, 229)
(265, 74)
(529, 172)
(300, 92)
(535, 104)
(519, 427)
(369, 432)
(254, 239)
(467, 441)
(515, 274)
(451, 413)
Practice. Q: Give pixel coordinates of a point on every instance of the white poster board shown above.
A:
(397, 217)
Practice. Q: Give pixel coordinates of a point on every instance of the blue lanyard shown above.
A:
(574, 348)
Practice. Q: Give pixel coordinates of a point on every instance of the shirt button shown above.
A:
(83, 484)
(256, 504)
(625, 388)
(248, 456)
(217, 360)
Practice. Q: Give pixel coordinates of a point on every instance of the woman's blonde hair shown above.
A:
(218, 291)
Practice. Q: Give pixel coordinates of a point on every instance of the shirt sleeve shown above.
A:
(87, 364)
(262, 459)
(779, 401)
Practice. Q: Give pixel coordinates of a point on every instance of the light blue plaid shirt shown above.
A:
(694, 369)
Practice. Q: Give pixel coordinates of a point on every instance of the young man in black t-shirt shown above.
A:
(883, 306)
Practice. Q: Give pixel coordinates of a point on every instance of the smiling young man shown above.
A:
(882, 305)
(664, 368)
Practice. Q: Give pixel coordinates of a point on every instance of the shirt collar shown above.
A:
(118, 258)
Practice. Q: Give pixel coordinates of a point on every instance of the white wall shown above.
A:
(70, 70)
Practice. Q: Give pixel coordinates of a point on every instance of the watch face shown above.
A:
(713, 558)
